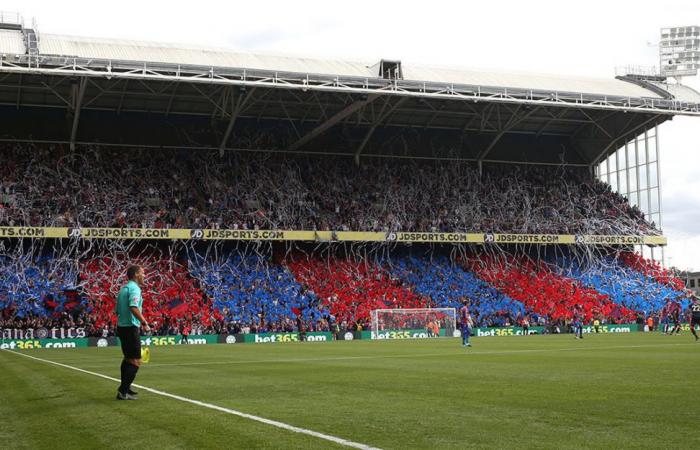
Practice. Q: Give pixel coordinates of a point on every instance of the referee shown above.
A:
(129, 320)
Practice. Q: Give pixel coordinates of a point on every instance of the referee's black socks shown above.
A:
(128, 372)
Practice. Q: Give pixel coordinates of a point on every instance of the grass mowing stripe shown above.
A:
(234, 412)
(420, 355)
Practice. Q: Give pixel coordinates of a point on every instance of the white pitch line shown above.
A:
(274, 423)
(420, 355)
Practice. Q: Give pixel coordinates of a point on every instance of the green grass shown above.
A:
(618, 391)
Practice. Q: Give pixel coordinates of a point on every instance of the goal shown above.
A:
(414, 323)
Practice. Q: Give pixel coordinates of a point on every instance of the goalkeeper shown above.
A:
(466, 323)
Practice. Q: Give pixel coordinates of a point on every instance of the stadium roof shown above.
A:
(154, 52)
(382, 108)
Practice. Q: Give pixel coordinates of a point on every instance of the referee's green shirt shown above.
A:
(129, 295)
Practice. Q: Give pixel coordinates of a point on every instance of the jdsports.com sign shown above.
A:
(320, 236)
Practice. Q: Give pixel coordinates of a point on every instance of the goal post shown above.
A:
(413, 323)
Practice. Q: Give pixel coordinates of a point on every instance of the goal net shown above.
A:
(415, 323)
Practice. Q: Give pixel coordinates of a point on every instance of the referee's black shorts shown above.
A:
(131, 342)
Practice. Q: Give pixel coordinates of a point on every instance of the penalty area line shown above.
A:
(274, 423)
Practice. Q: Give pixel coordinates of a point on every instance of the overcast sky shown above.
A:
(578, 38)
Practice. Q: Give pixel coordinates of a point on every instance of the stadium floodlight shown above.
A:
(679, 51)
(413, 323)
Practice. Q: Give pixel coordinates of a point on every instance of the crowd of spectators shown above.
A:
(651, 269)
(545, 292)
(55, 291)
(253, 295)
(350, 290)
(447, 285)
(173, 301)
(244, 293)
(146, 188)
(43, 292)
(625, 286)
(31, 287)
(139, 188)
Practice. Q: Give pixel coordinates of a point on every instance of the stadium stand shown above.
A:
(144, 189)
(172, 298)
(252, 293)
(623, 286)
(133, 188)
(447, 285)
(244, 292)
(545, 292)
(452, 150)
(350, 289)
(32, 287)
(652, 269)
(40, 291)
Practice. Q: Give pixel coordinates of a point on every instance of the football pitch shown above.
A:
(619, 391)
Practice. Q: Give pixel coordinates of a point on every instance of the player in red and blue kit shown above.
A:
(694, 315)
(466, 323)
(675, 313)
(664, 318)
(578, 324)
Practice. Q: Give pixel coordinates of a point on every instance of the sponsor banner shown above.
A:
(264, 338)
(158, 341)
(31, 344)
(610, 240)
(102, 342)
(518, 331)
(401, 236)
(317, 336)
(491, 238)
(611, 328)
(230, 338)
(655, 240)
(33, 232)
(348, 335)
(42, 333)
(401, 334)
(128, 233)
(255, 235)
(505, 331)
(620, 240)
(684, 327)
(360, 236)
(322, 236)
